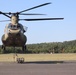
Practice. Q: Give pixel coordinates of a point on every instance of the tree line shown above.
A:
(51, 47)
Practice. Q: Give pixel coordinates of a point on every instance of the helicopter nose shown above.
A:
(14, 31)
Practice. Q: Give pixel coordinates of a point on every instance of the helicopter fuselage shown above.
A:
(14, 34)
(14, 37)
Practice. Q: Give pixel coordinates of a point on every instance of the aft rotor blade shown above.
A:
(42, 19)
(35, 7)
(31, 14)
(4, 20)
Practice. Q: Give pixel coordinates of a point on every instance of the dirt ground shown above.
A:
(37, 57)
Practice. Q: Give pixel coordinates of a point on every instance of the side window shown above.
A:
(9, 26)
(25, 28)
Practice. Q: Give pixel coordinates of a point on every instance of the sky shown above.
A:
(44, 31)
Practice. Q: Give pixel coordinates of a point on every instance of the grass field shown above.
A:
(38, 57)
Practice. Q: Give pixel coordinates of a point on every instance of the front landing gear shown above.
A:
(4, 49)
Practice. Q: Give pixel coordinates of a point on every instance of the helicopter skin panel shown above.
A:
(35, 7)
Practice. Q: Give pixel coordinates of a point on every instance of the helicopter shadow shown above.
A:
(43, 62)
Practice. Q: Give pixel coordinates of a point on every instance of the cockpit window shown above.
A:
(12, 26)
(15, 27)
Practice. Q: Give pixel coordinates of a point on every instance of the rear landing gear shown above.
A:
(24, 49)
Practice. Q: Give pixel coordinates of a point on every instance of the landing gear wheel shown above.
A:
(24, 49)
(4, 49)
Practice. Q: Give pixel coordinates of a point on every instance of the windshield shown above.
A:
(13, 27)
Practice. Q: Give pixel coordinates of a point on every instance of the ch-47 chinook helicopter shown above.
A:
(14, 31)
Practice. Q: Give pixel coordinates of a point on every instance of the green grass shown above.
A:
(38, 57)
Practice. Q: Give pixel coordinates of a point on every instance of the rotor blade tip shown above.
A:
(49, 2)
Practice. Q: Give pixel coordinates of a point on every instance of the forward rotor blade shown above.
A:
(4, 20)
(5, 14)
(31, 14)
(42, 19)
(35, 7)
